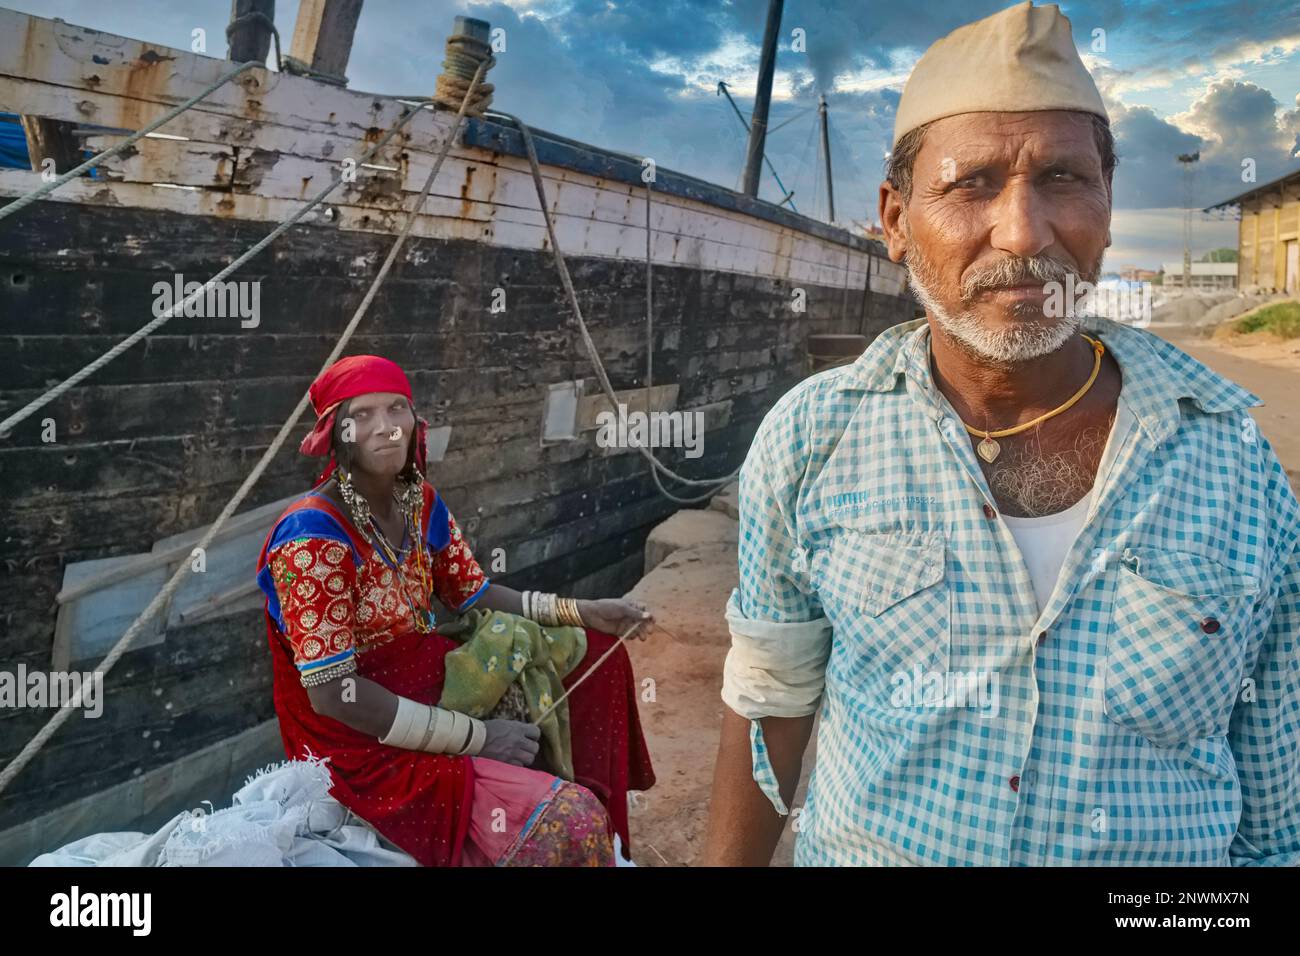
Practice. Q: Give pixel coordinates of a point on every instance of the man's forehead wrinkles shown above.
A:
(1027, 154)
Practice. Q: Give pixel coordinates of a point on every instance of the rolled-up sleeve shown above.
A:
(780, 638)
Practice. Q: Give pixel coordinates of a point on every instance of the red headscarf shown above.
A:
(348, 378)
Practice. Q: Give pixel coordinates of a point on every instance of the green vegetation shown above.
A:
(1219, 255)
(1280, 318)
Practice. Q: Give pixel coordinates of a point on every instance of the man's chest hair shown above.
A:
(1032, 478)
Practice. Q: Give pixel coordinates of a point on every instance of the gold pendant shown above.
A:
(988, 449)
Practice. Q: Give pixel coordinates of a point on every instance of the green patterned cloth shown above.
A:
(498, 649)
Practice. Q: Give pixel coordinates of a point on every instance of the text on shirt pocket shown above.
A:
(886, 595)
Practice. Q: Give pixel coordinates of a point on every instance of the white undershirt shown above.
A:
(1044, 542)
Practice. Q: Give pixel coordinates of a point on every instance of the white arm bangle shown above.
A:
(432, 729)
(408, 722)
(477, 737)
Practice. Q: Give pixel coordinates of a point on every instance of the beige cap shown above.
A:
(1020, 59)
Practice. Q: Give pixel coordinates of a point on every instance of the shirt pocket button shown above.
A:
(1164, 678)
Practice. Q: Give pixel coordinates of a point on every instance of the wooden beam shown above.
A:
(322, 36)
(50, 139)
(143, 563)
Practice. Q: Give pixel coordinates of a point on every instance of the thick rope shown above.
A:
(463, 56)
(257, 16)
(160, 599)
(649, 365)
(179, 307)
(23, 202)
(567, 282)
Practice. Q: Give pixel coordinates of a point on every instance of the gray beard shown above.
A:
(1033, 337)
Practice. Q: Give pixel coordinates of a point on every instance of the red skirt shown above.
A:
(421, 801)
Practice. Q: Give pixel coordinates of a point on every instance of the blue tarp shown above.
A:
(13, 144)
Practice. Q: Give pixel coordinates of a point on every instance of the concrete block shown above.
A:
(687, 529)
(727, 501)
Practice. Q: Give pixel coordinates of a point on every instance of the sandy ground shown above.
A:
(681, 710)
(688, 592)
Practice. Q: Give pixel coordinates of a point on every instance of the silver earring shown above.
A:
(356, 502)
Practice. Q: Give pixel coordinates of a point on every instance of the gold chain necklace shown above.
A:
(989, 450)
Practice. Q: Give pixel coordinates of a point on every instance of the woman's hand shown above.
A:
(615, 616)
(511, 742)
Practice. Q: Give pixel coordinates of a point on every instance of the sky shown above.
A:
(1218, 76)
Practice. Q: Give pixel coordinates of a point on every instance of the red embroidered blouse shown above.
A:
(334, 603)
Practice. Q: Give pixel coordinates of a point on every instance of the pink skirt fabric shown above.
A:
(523, 817)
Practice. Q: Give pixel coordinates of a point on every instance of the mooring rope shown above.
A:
(463, 56)
(567, 281)
(24, 201)
(46, 732)
(649, 366)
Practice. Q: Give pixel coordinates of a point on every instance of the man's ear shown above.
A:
(891, 212)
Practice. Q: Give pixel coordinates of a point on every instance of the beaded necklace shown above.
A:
(369, 527)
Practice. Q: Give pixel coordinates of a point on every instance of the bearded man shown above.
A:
(1036, 571)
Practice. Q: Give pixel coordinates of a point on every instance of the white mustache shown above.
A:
(1009, 272)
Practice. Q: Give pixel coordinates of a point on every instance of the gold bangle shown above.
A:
(569, 612)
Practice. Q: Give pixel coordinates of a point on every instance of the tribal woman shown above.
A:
(348, 571)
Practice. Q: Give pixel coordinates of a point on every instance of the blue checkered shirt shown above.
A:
(1149, 715)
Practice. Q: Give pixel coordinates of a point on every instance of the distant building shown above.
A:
(1206, 276)
(1135, 274)
(1268, 236)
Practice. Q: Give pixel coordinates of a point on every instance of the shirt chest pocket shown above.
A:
(1176, 647)
(886, 595)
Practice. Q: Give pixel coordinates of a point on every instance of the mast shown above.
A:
(826, 153)
(762, 100)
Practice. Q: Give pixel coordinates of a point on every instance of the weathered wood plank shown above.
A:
(50, 139)
(323, 32)
(330, 144)
(578, 236)
(148, 76)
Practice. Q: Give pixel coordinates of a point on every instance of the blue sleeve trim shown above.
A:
(438, 533)
(304, 523)
(327, 661)
(474, 597)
